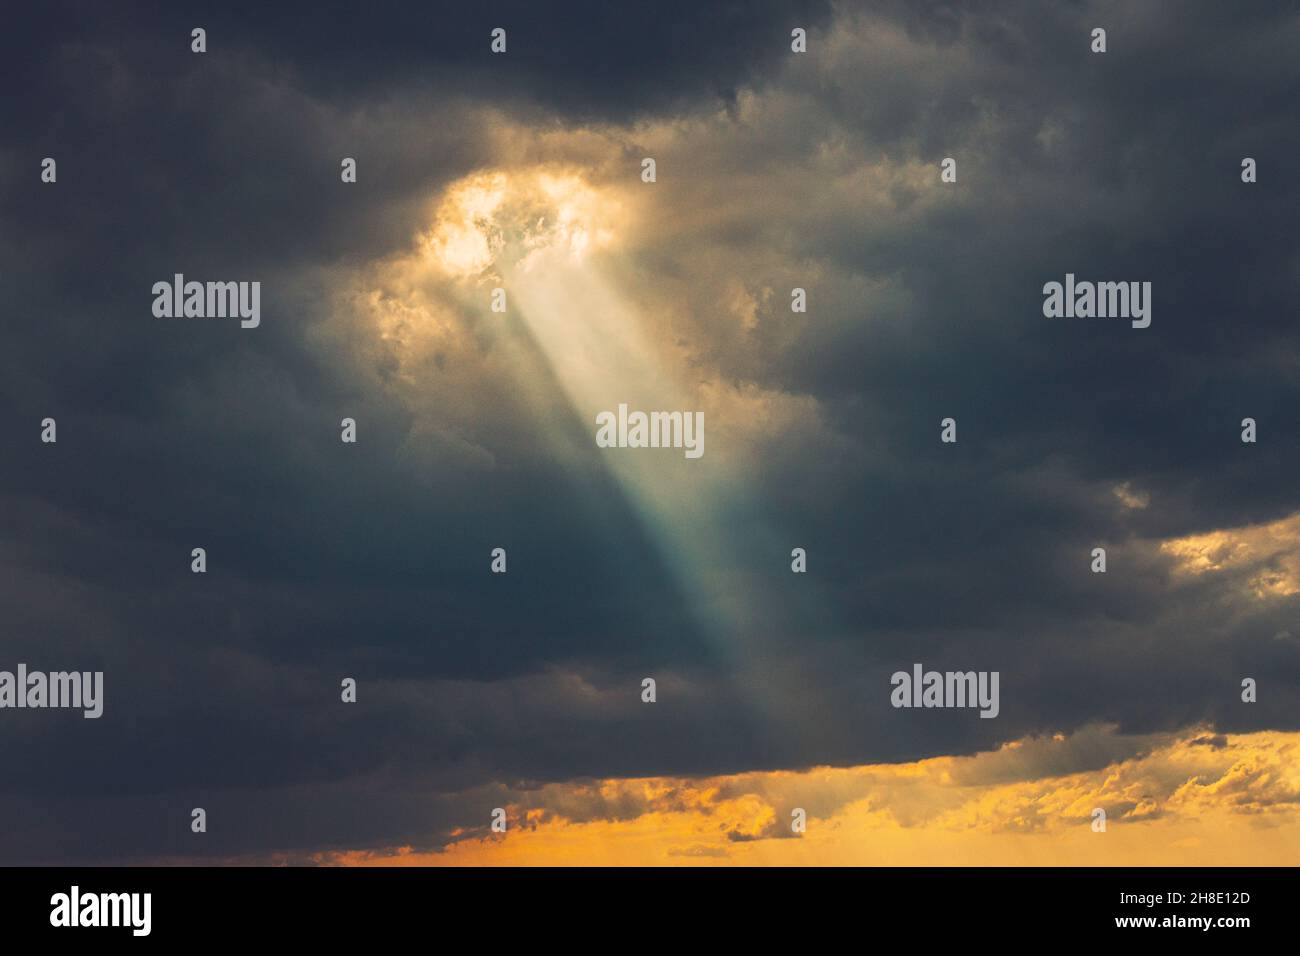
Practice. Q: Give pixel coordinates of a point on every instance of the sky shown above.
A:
(476, 429)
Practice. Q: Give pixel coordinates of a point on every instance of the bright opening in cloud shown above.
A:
(498, 219)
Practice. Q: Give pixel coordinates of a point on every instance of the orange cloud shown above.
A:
(1193, 798)
(1268, 555)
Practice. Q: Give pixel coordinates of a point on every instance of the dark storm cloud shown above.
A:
(586, 58)
(978, 552)
(222, 691)
(226, 165)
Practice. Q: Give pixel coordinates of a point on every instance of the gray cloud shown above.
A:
(776, 171)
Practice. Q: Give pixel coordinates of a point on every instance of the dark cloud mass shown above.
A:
(776, 171)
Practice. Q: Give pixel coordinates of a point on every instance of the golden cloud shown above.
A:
(1268, 555)
(1188, 798)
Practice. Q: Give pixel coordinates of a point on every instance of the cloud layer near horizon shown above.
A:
(775, 171)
